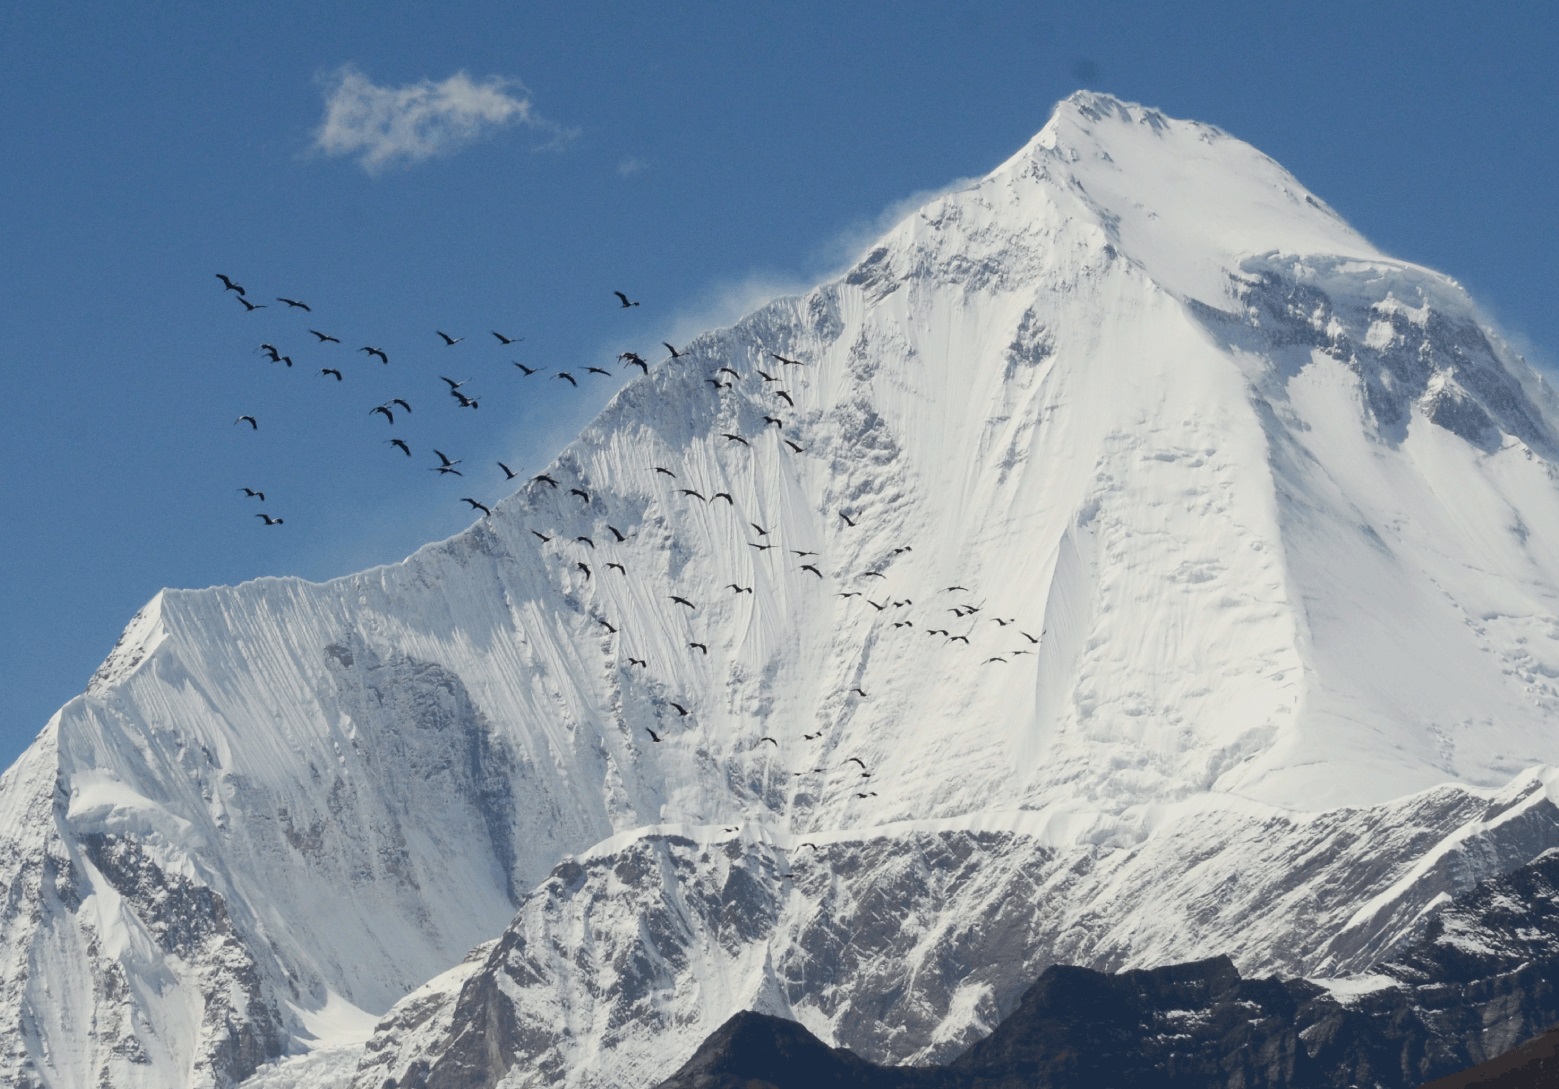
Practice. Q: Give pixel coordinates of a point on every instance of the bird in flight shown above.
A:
(584, 567)
(699, 646)
(993, 658)
(734, 438)
(759, 547)
(873, 575)
(655, 737)
(874, 605)
(668, 472)
(270, 350)
(249, 307)
(449, 341)
(723, 495)
(371, 350)
(848, 593)
(229, 285)
(619, 567)
(626, 302)
(674, 353)
(617, 533)
(683, 601)
(846, 517)
(505, 340)
(640, 662)
(787, 362)
(296, 304)
(453, 385)
(857, 760)
(465, 402)
(583, 495)
(784, 397)
(729, 371)
(269, 520)
(761, 531)
(250, 420)
(331, 371)
(775, 420)
(796, 446)
(252, 494)
(325, 338)
(399, 444)
(683, 711)
(803, 555)
(508, 473)
(477, 506)
(738, 589)
(694, 494)
(597, 370)
(586, 540)
(528, 370)
(812, 737)
(860, 692)
(383, 409)
(1027, 636)
(543, 478)
(543, 536)
(717, 384)
(809, 567)
(637, 362)
(571, 380)
(765, 375)
(771, 741)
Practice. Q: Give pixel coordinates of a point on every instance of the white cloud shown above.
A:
(630, 165)
(388, 125)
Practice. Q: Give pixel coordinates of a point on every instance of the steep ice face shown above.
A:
(1243, 517)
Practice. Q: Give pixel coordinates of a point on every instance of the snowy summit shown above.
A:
(1123, 562)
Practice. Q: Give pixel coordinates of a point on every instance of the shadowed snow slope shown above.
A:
(1255, 652)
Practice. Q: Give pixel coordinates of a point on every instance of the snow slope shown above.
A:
(1252, 518)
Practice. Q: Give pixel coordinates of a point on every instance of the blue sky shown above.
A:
(697, 156)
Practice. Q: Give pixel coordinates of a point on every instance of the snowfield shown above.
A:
(1255, 652)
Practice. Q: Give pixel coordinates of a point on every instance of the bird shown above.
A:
(950, 589)
(814, 570)
(794, 446)
(1015, 653)
(453, 385)
(287, 359)
(640, 662)
(787, 362)
(229, 285)
(252, 494)
(250, 420)
(631, 357)
(761, 531)
(868, 794)
(902, 548)
(782, 395)
(626, 302)
(667, 472)
(683, 711)
(765, 375)
(699, 646)
(445, 460)
(738, 589)
(400, 402)
(775, 420)
(694, 494)
(860, 692)
(811, 845)
(847, 519)
(812, 737)
(761, 740)
(1027, 636)
(371, 350)
(873, 575)
(619, 567)
(723, 495)
(543, 478)
(717, 384)
(508, 473)
(399, 444)
(447, 470)
(584, 567)
(505, 340)
(637, 362)
(1000, 621)
(269, 520)
(465, 402)
(528, 370)
(674, 353)
(759, 547)
(587, 541)
(597, 370)
(874, 605)
(571, 380)
(734, 438)
(617, 533)
(993, 658)
(543, 536)
(270, 350)
(964, 639)
(325, 338)
(848, 593)
(607, 624)
(383, 409)
(477, 506)
(583, 495)
(655, 737)
(296, 304)
(449, 341)
(683, 601)
(803, 555)
(249, 307)
(857, 760)
(729, 371)
(332, 371)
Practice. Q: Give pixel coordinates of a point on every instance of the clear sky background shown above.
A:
(700, 156)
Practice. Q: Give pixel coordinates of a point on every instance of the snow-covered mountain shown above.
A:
(1254, 651)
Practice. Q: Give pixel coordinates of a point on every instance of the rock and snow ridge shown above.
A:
(1269, 503)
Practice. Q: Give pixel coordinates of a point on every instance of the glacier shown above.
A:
(1256, 653)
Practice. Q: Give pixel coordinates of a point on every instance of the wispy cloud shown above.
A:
(383, 126)
(630, 165)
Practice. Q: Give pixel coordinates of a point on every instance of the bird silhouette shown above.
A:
(765, 375)
(794, 446)
(848, 593)
(1000, 621)
(449, 341)
(584, 567)
(506, 340)
(250, 420)
(860, 692)
(787, 362)
(571, 380)
(993, 658)
(619, 567)
(868, 794)
(637, 362)
(640, 662)
(249, 307)
(683, 601)
(584, 496)
(399, 444)
(847, 519)
(655, 737)
(729, 371)
(775, 420)
(699, 646)
(229, 285)
(811, 845)
(508, 473)
(857, 760)
(447, 470)
(371, 350)
(694, 494)
(543, 478)
(331, 371)
(465, 402)
(761, 531)
(597, 370)
(801, 554)
(674, 353)
(761, 740)
(812, 737)
(964, 639)
(453, 385)
(717, 384)
(252, 494)
(1027, 636)
(950, 589)
(383, 410)
(723, 495)
(543, 536)
(782, 395)
(269, 520)
(325, 338)
(626, 302)
(445, 460)
(683, 711)
(528, 370)
(734, 438)
(270, 350)
(477, 506)
(738, 589)
(809, 567)
(667, 472)
(874, 605)
(296, 304)
(607, 624)
(586, 540)
(759, 547)
(873, 575)
(617, 533)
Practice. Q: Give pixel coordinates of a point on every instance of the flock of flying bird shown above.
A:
(722, 378)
